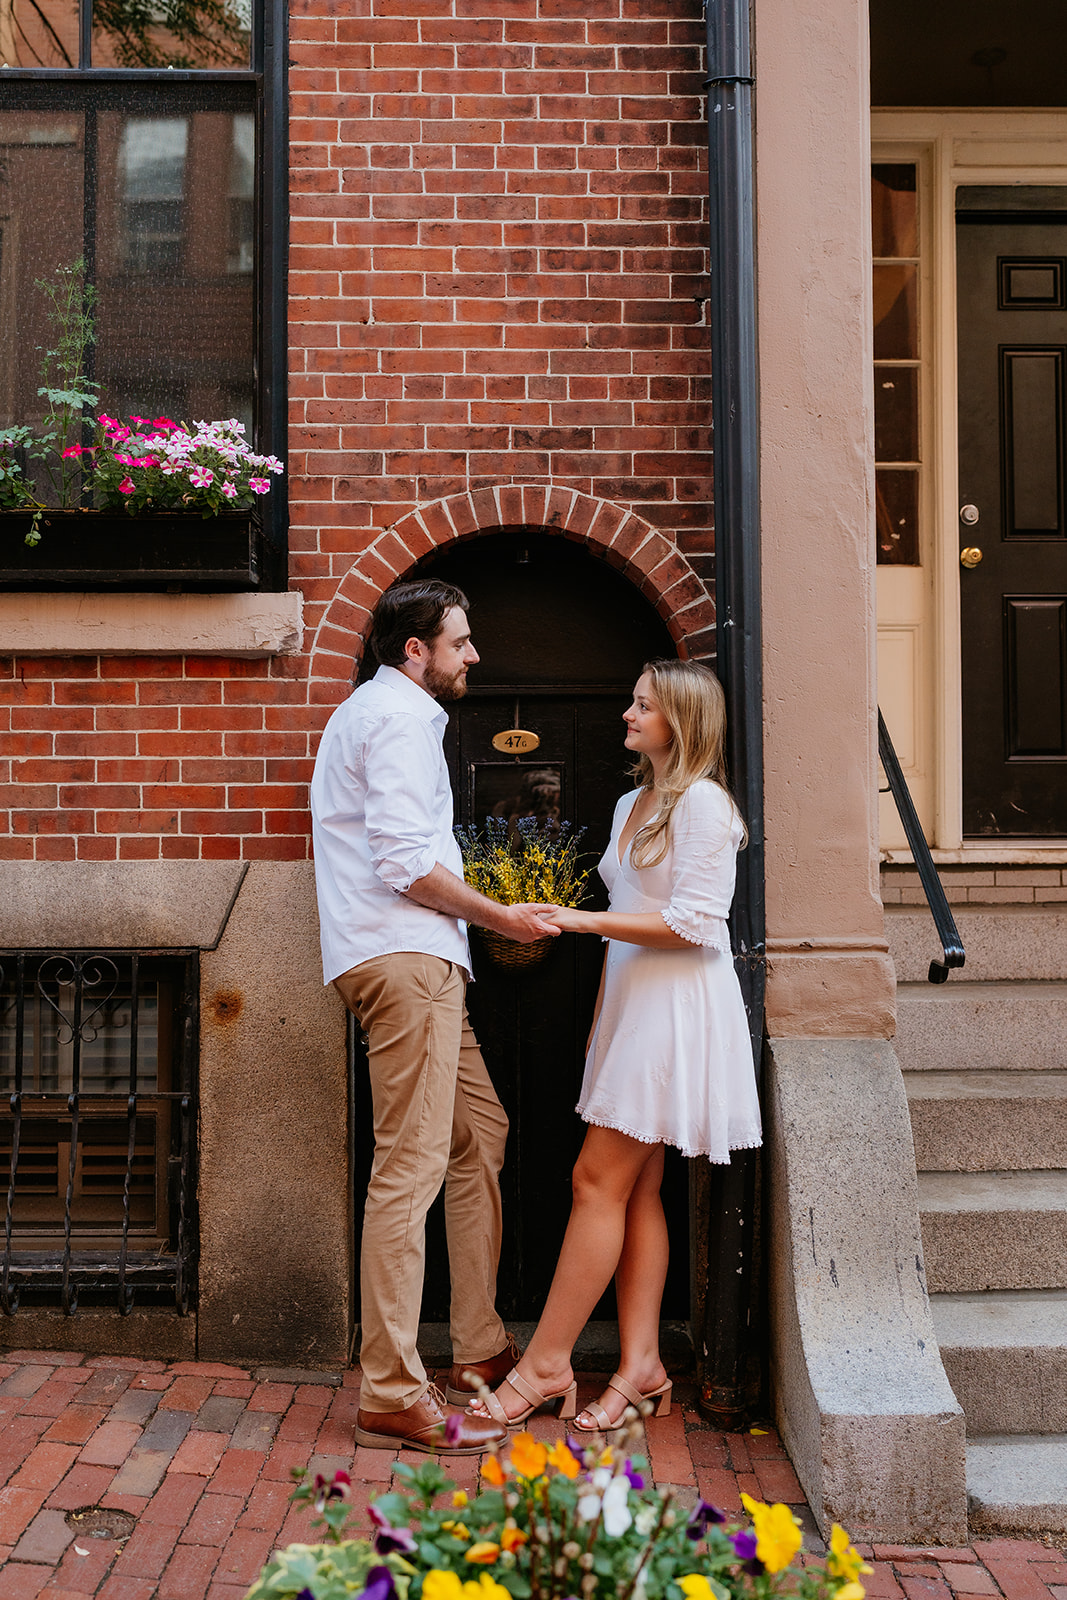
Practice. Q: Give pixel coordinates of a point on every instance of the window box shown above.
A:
(111, 550)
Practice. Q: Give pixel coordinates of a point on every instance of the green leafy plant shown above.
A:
(566, 1522)
(65, 383)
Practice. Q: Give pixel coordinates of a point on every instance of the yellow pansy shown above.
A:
(844, 1561)
(528, 1457)
(695, 1587)
(438, 1585)
(485, 1550)
(460, 1499)
(851, 1591)
(512, 1538)
(493, 1472)
(486, 1588)
(563, 1461)
(778, 1535)
(606, 1457)
(456, 1529)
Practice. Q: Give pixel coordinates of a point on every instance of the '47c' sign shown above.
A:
(515, 741)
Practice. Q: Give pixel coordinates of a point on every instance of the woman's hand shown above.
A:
(568, 919)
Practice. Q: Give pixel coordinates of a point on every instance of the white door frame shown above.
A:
(951, 148)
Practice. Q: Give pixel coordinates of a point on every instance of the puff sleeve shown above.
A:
(706, 831)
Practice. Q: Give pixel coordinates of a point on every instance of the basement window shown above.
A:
(97, 1135)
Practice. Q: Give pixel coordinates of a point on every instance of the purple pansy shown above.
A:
(389, 1539)
(702, 1518)
(380, 1585)
(634, 1478)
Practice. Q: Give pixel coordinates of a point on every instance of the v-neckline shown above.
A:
(618, 848)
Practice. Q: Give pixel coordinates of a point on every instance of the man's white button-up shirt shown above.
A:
(381, 809)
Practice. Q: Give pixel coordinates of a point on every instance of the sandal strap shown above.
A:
(526, 1390)
(627, 1390)
(599, 1416)
(494, 1408)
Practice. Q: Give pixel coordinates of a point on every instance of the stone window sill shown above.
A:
(256, 624)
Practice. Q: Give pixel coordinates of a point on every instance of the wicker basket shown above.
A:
(512, 956)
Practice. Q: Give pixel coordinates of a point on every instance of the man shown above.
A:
(392, 910)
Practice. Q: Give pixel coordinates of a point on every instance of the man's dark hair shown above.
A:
(411, 611)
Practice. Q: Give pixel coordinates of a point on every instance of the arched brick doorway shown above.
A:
(562, 636)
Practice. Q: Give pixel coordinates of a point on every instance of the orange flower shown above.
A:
(563, 1461)
(485, 1551)
(512, 1538)
(493, 1472)
(528, 1458)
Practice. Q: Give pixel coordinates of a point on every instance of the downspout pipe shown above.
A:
(729, 1370)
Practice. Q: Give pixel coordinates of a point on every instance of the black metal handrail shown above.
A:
(953, 952)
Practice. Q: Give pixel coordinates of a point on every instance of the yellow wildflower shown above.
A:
(695, 1587)
(484, 1551)
(493, 1472)
(528, 1458)
(844, 1561)
(485, 1589)
(512, 1538)
(606, 1457)
(438, 1585)
(456, 1529)
(778, 1535)
(563, 1461)
(460, 1499)
(851, 1591)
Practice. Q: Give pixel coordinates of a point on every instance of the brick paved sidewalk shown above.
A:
(198, 1455)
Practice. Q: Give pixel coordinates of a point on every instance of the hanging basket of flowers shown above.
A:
(523, 861)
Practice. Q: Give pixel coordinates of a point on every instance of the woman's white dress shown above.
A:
(670, 1061)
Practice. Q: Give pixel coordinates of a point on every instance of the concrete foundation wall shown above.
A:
(275, 1212)
(863, 1403)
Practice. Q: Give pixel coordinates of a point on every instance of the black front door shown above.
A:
(1013, 529)
(562, 639)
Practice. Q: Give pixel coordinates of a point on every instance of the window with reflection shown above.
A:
(154, 192)
(186, 34)
(898, 445)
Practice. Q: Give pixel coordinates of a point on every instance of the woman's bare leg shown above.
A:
(607, 1171)
(639, 1280)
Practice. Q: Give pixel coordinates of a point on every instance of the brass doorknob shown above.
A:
(971, 556)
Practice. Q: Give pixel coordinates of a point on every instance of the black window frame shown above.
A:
(29, 87)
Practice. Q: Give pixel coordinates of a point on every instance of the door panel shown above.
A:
(1012, 377)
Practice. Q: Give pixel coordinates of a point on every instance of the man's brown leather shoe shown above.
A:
(428, 1426)
(492, 1373)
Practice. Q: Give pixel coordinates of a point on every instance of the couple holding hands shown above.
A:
(669, 1058)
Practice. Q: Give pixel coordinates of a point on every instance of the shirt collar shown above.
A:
(416, 699)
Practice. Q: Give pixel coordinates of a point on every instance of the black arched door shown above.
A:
(562, 638)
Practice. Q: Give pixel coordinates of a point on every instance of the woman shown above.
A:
(669, 1058)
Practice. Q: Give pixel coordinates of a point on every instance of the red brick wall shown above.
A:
(497, 248)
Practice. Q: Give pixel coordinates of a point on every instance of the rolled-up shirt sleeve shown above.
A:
(400, 755)
(705, 834)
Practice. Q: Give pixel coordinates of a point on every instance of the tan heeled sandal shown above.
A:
(568, 1400)
(632, 1396)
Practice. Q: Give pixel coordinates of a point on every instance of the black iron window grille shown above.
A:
(98, 1133)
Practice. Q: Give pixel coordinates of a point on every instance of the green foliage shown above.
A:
(201, 33)
(65, 383)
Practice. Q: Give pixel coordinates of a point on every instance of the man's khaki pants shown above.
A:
(436, 1119)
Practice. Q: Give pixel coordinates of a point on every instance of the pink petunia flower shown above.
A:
(229, 489)
(200, 477)
(259, 485)
(127, 486)
(106, 421)
(72, 450)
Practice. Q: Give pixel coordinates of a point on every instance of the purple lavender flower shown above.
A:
(704, 1515)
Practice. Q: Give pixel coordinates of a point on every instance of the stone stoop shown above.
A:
(984, 1059)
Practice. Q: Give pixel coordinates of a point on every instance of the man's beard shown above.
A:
(443, 685)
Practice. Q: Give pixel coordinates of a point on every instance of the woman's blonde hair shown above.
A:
(691, 699)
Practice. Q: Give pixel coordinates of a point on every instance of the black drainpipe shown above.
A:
(730, 1375)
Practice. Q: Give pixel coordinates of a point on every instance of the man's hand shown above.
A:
(524, 924)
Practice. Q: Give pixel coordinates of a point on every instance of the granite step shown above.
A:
(1028, 943)
(1017, 1483)
(988, 1121)
(994, 1230)
(1005, 1354)
(965, 1025)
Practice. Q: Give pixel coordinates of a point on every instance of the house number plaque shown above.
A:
(515, 741)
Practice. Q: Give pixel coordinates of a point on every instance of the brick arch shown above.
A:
(652, 563)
